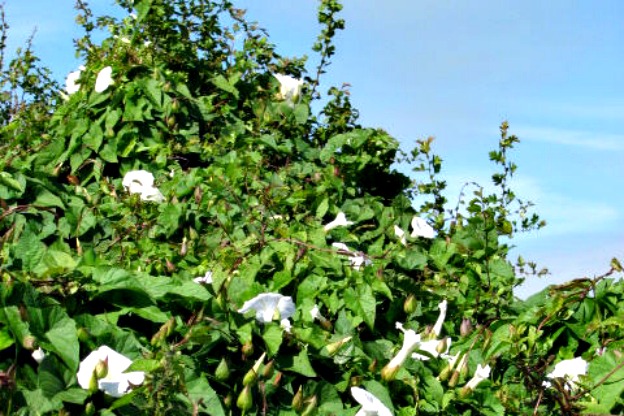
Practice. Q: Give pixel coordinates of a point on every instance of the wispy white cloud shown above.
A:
(578, 138)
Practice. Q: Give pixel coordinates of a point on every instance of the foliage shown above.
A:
(250, 179)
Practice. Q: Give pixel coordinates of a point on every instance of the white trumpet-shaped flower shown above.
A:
(411, 340)
(270, 306)
(437, 327)
(400, 234)
(420, 228)
(371, 405)
(315, 312)
(290, 88)
(340, 221)
(38, 355)
(357, 259)
(104, 79)
(205, 279)
(142, 182)
(114, 381)
(482, 373)
(434, 347)
(570, 370)
(71, 82)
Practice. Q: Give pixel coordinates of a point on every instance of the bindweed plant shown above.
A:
(181, 234)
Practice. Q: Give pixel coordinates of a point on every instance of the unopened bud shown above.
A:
(454, 379)
(252, 374)
(247, 349)
(227, 401)
(442, 346)
(445, 373)
(334, 347)
(466, 327)
(297, 401)
(310, 405)
(410, 304)
(464, 392)
(93, 382)
(245, 399)
(373, 366)
(165, 330)
(267, 373)
(29, 342)
(89, 409)
(222, 372)
(389, 373)
(101, 369)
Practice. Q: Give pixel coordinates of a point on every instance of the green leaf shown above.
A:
(6, 340)
(29, 249)
(73, 395)
(322, 208)
(298, 364)
(7, 179)
(411, 259)
(225, 85)
(63, 338)
(191, 291)
(200, 390)
(144, 365)
(362, 302)
(46, 198)
(169, 218)
(272, 336)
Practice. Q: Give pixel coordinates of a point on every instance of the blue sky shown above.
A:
(454, 70)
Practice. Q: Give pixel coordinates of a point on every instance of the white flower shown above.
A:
(340, 221)
(420, 228)
(431, 347)
(411, 340)
(205, 279)
(116, 383)
(482, 373)
(290, 88)
(71, 82)
(38, 355)
(437, 327)
(400, 234)
(357, 259)
(269, 306)
(570, 370)
(142, 182)
(315, 312)
(104, 79)
(371, 405)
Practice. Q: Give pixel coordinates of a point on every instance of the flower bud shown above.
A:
(310, 407)
(227, 401)
(267, 372)
(93, 382)
(89, 409)
(297, 401)
(389, 373)
(454, 379)
(29, 342)
(163, 332)
(101, 369)
(466, 327)
(334, 347)
(245, 399)
(252, 374)
(442, 346)
(222, 372)
(410, 304)
(83, 334)
(445, 373)
(373, 366)
(247, 349)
